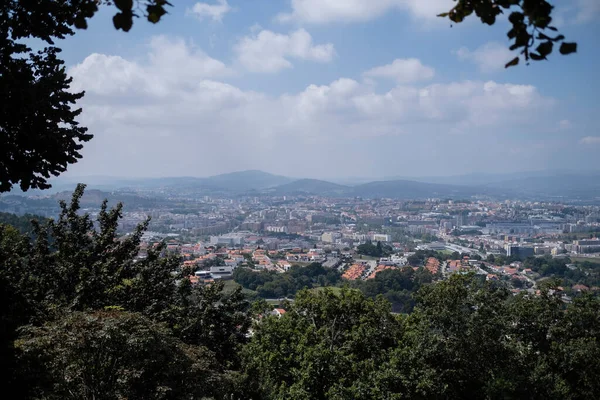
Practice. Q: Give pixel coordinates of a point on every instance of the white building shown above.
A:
(380, 237)
(227, 240)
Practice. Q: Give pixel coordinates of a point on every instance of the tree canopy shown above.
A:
(465, 340)
(71, 284)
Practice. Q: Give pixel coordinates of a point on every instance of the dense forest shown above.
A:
(21, 222)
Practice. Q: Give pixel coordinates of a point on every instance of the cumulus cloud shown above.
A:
(216, 11)
(407, 70)
(171, 63)
(490, 57)
(325, 11)
(267, 51)
(590, 140)
(181, 117)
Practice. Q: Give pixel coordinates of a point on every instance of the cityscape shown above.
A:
(299, 199)
(246, 221)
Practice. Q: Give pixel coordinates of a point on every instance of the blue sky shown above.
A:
(331, 88)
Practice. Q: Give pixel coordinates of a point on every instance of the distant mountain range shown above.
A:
(534, 185)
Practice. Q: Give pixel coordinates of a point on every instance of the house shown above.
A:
(580, 288)
(354, 272)
(278, 312)
(432, 265)
(528, 271)
(284, 265)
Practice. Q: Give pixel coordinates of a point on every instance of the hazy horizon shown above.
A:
(93, 179)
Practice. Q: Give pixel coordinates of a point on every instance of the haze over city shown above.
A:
(356, 90)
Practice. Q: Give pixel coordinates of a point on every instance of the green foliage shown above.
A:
(71, 270)
(152, 10)
(374, 250)
(465, 339)
(531, 30)
(325, 346)
(397, 286)
(271, 285)
(218, 320)
(557, 267)
(418, 258)
(110, 355)
(39, 134)
(21, 222)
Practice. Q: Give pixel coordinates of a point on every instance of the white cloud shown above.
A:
(590, 140)
(171, 63)
(490, 57)
(268, 51)
(162, 117)
(324, 11)
(407, 70)
(216, 12)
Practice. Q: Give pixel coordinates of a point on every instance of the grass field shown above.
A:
(231, 285)
(334, 289)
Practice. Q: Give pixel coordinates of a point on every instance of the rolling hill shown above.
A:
(247, 180)
(535, 185)
(313, 187)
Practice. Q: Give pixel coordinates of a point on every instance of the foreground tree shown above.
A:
(112, 355)
(326, 345)
(39, 133)
(71, 268)
(531, 31)
(466, 339)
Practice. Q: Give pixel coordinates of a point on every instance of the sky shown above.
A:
(331, 89)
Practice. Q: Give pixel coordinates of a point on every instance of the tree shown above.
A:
(530, 20)
(218, 321)
(456, 335)
(325, 346)
(39, 133)
(110, 355)
(69, 267)
(15, 307)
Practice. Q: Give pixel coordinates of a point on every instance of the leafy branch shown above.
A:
(531, 30)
